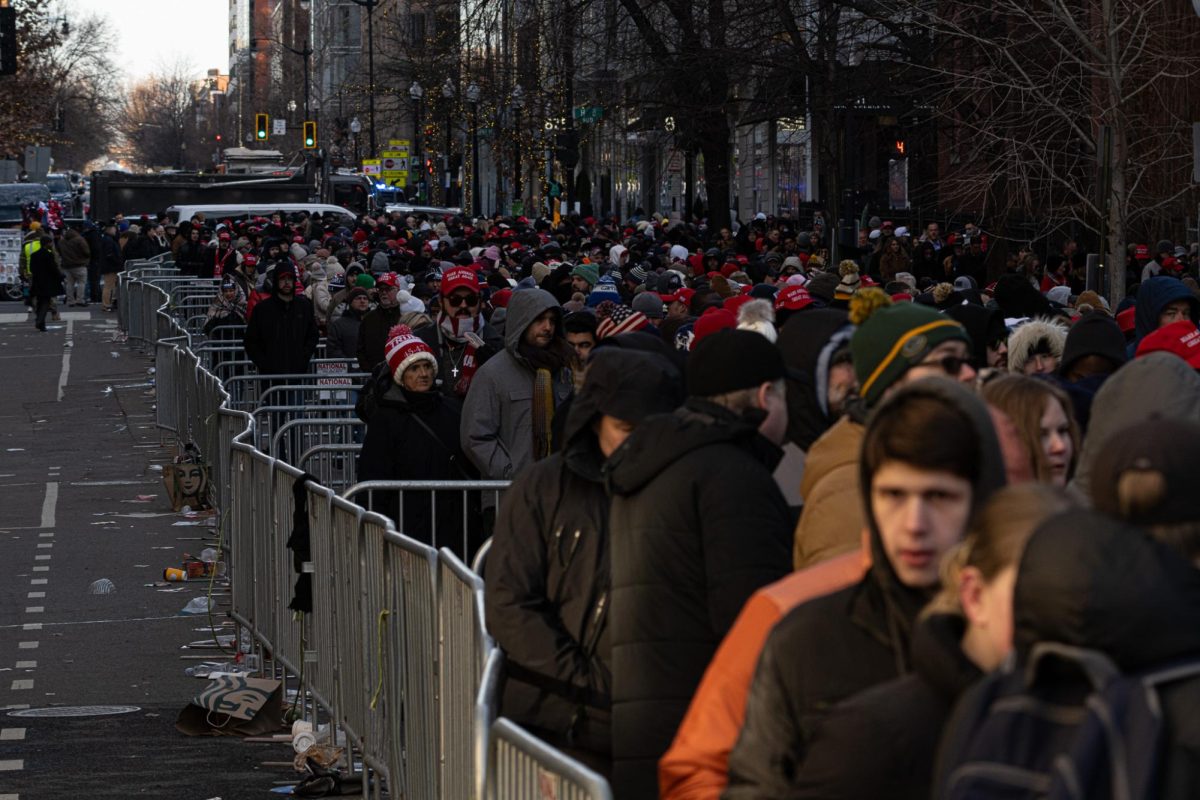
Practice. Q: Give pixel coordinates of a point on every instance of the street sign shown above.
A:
(394, 164)
(397, 152)
(394, 178)
(372, 166)
(588, 113)
(278, 127)
(401, 144)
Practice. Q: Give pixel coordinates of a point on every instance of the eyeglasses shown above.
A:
(951, 365)
(456, 300)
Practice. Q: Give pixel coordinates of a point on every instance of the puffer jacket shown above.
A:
(863, 635)
(497, 424)
(281, 337)
(698, 525)
(832, 520)
(883, 742)
(1086, 580)
(547, 575)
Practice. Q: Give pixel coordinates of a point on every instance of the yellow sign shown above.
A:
(402, 143)
(394, 178)
(398, 153)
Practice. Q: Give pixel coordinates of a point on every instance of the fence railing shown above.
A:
(395, 649)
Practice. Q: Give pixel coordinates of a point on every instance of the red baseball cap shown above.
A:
(793, 298)
(683, 295)
(1127, 319)
(1181, 338)
(500, 299)
(1141, 251)
(388, 279)
(736, 302)
(459, 278)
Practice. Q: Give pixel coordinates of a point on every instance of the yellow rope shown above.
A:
(383, 615)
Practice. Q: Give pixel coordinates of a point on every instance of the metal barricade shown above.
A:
(487, 709)
(388, 497)
(334, 465)
(523, 767)
(268, 419)
(464, 645)
(411, 633)
(304, 433)
(288, 626)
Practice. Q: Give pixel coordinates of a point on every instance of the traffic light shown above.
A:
(310, 135)
(8, 40)
(899, 149)
(218, 138)
(260, 127)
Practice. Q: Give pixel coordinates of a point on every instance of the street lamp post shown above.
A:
(369, 5)
(355, 128)
(473, 99)
(448, 94)
(518, 102)
(416, 92)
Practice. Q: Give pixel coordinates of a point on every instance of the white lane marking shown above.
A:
(39, 581)
(49, 503)
(41, 569)
(11, 765)
(20, 685)
(34, 609)
(66, 367)
(45, 545)
(45, 557)
(28, 646)
(12, 734)
(46, 535)
(37, 626)
(26, 665)
(35, 595)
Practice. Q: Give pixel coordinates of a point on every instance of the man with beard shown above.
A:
(282, 335)
(462, 339)
(509, 410)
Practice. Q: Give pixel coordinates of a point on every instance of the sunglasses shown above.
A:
(456, 300)
(951, 365)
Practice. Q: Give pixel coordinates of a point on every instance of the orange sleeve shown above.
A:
(697, 764)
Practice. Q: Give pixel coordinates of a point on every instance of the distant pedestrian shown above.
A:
(45, 279)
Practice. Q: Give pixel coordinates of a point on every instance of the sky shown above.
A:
(153, 36)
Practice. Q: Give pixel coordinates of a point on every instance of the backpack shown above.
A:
(1069, 724)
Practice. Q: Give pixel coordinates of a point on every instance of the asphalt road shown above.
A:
(82, 498)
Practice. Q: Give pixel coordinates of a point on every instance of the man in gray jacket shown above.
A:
(507, 414)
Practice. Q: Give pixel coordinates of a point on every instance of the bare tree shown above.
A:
(1065, 112)
(62, 93)
(157, 119)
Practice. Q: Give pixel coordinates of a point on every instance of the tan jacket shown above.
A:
(832, 521)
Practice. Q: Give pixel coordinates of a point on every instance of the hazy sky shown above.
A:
(153, 36)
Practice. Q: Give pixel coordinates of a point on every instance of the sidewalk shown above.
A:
(79, 461)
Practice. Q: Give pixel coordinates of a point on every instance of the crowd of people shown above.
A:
(778, 526)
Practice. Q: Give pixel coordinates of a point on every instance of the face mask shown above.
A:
(457, 328)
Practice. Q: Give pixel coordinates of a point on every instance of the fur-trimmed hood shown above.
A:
(1024, 340)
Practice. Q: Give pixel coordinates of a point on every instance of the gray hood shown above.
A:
(524, 307)
(1154, 385)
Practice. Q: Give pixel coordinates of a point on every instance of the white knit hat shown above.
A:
(403, 349)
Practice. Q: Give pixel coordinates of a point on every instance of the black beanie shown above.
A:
(1093, 335)
(730, 360)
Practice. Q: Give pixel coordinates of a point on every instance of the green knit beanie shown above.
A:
(365, 280)
(892, 340)
(589, 272)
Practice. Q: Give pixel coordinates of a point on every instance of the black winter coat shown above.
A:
(111, 259)
(808, 342)
(547, 579)
(698, 524)
(281, 337)
(833, 647)
(1088, 581)
(45, 278)
(883, 742)
(191, 257)
(342, 339)
(399, 447)
(373, 334)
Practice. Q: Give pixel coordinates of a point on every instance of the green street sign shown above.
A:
(591, 114)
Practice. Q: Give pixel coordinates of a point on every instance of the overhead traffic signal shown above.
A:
(310, 135)
(260, 127)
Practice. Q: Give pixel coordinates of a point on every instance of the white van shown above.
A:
(241, 211)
